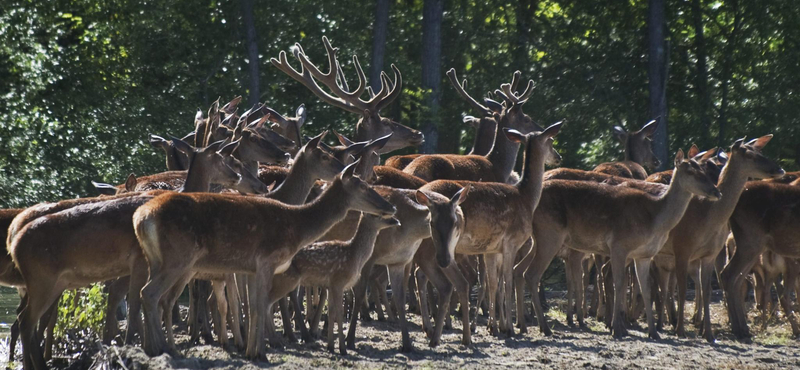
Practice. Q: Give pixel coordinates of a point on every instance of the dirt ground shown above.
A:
(569, 347)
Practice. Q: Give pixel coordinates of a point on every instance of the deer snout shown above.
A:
(417, 137)
(443, 259)
(715, 195)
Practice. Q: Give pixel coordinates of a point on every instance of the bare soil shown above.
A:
(570, 347)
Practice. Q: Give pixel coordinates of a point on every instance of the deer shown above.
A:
(497, 223)
(176, 160)
(259, 251)
(95, 238)
(765, 219)
(334, 265)
(767, 270)
(371, 125)
(638, 153)
(579, 213)
(498, 164)
(288, 126)
(486, 126)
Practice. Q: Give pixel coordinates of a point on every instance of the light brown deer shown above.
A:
(92, 242)
(638, 153)
(371, 125)
(766, 218)
(612, 220)
(768, 270)
(264, 242)
(498, 218)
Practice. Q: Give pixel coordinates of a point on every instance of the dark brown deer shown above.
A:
(638, 153)
(371, 125)
(612, 220)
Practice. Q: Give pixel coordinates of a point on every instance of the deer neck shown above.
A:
(530, 185)
(297, 185)
(672, 205)
(628, 152)
(197, 180)
(503, 155)
(731, 184)
(484, 138)
(317, 217)
(363, 241)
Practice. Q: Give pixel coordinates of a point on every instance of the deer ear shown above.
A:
(693, 151)
(130, 183)
(470, 120)
(182, 146)
(460, 196)
(350, 169)
(228, 149)
(343, 139)
(761, 142)
(738, 143)
(379, 143)
(708, 154)
(422, 198)
(301, 115)
(553, 129)
(650, 128)
(189, 138)
(158, 141)
(679, 157)
(493, 105)
(620, 134)
(105, 189)
(513, 135)
(316, 140)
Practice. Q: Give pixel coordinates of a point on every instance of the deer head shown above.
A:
(361, 195)
(748, 158)
(638, 144)
(371, 125)
(691, 176)
(447, 222)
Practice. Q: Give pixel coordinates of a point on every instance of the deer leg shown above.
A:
(547, 246)
(643, 273)
(789, 286)
(706, 270)
(40, 299)
(260, 310)
(12, 344)
(322, 297)
(663, 287)
(235, 301)
(359, 292)
(422, 289)
(462, 288)
(299, 318)
(618, 270)
(509, 254)
(492, 263)
(162, 279)
(286, 318)
(335, 318)
(733, 275)
(52, 317)
(218, 287)
(433, 273)
(397, 278)
(576, 259)
(116, 293)
(681, 274)
(697, 318)
(519, 289)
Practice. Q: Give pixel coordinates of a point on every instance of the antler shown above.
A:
(508, 91)
(460, 88)
(309, 74)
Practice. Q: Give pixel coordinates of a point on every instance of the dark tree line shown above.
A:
(83, 81)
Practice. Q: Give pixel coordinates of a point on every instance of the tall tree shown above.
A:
(379, 31)
(701, 75)
(657, 75)
(251, 43)
(432, 13)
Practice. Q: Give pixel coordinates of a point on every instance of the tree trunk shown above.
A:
(701, 78)
(432, 13)
(379, 32)
(525, 10)
(252, 50)
(727, 70)
(657, 73)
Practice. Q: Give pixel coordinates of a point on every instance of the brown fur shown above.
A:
(183, 233)
(638, 153)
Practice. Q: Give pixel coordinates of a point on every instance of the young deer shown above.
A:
(334, 265)
(371, 125)
(90, 242)
(612, 220)
(182, 234)
(638, 153)
(496, 165)
(498, 221)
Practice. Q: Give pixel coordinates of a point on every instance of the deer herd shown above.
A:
(269, 216)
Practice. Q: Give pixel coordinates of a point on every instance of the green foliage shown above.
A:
(85, 314)
(82, 82)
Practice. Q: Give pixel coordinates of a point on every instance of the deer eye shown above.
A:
(325, 157)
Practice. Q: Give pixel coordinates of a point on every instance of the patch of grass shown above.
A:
(556, 313)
